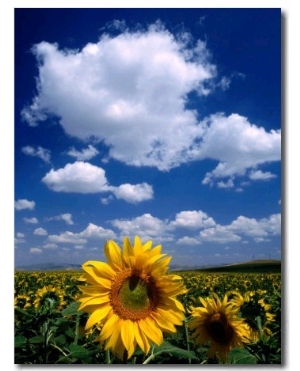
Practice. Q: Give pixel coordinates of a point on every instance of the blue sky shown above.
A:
(162, 123)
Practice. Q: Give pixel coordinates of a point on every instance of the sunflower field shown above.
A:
(133, 310)
(49, 328)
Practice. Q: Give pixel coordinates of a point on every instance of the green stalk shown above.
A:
(259, 326)
(107, 357)
(187, 337)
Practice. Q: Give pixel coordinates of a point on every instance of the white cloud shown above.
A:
(133, 193)
(67, 237)
(228, 184)
(237, 145)
(97, 232)
(50, 246)
(78, 239)
(219, 234)
(82, 177)
(192, 219)
(24, 204)
(67, 217)
(201, 227)
(40, 152)
(259, 175)
(129, 91)
(85, 154)
(188, 241)
(40, 232)
(257, 228)
(30, 220)
(146, 226)
(35, 250)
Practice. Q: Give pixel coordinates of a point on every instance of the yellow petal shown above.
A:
(127, 335)
(101, 299)
(168, 314)
(109, 327)
(138, 246)
(138, 337)
(127, 247)
(101, 269)
(166, 325)
(97, 316)
(151, 331)
(95, 278)
(113, 254)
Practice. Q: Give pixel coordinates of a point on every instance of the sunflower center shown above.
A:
(133, 295)
(219, 329)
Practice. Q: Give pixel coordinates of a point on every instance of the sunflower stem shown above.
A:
(152, 355)
(259, 326)
(107, 356)
(187, 337)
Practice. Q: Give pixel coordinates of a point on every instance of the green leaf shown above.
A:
(173, 350)
(37, 339)
(20, 341)
(72, 310)
(78, 351)
(241, 356)
(60, 339)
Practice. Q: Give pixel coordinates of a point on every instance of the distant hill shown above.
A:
(48, 267)
(253, 266)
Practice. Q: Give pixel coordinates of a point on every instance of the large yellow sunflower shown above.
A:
(132, 296)
(216, 323)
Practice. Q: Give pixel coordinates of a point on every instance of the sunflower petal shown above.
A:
(113, 254)
(97, 316)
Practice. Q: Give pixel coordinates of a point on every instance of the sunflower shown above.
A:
(49, 297)
(132, 296)
(22, 301)
(255, 310)
(217, 323)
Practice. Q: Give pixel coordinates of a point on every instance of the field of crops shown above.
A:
(49, 329)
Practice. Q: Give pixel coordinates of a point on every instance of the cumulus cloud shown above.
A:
(79, 177)
(97, 232)
(67, 237)
(133, 193)
(82, 177)
(237, 145)
(40, 232)
(50, 245)
(92, 232)
(67, 217)
(259, 175)
(40, 152)
(192, 219)
(188, 241)
(85, 154)
(35, 250)
(132, 90)
(257, 228)
(146, 226)
(24, 204)
(219, 234)
(129, 91)
(20, 238)
(30, 220)
(199, 227)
